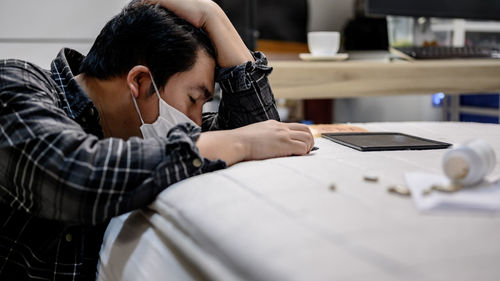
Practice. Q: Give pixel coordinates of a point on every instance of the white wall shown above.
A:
(36, 30)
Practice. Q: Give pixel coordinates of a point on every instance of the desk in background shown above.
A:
(375, 74)
(368, 74)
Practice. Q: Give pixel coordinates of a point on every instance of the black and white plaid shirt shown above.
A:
(61, 181)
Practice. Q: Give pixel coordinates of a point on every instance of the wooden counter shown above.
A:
(296, 79)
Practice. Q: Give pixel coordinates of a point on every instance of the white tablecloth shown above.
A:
(278, 219)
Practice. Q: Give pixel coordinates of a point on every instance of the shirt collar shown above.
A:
(64, 68)
(80, 107)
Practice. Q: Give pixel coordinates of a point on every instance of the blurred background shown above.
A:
(36, 30)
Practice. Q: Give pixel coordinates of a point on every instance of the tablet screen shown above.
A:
(373, 141)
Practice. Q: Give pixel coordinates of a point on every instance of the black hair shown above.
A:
(149, 35)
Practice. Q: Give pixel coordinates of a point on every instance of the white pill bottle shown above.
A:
(469, 163)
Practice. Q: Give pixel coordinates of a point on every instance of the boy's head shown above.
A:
(149, 35)
(145, 41)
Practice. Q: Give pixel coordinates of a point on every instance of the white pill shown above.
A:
(399, 190)
(370, 176)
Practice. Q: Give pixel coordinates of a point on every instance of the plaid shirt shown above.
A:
(61, 181)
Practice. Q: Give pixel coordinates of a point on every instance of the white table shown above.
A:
(278, 220)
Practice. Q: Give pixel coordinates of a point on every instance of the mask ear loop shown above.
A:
(154, 85)
(135, 102)
(137, 108)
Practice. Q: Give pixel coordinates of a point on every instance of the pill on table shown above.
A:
(453, 187)
(369, 176)
(399, 190)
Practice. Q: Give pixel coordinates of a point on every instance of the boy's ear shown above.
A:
(138, 80)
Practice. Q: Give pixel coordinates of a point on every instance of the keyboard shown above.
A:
(444, 52)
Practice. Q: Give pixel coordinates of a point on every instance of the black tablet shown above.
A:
(373, 141)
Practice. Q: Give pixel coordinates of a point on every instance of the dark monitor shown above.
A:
(467, 9)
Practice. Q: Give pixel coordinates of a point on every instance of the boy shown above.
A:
(101, 135)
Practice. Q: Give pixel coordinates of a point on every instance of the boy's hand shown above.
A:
(195, 12)
(262, 140)
(275, 139)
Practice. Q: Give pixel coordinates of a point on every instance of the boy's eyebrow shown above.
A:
(208, 95)
(204, 90)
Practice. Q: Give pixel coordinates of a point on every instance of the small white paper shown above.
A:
(483, 197)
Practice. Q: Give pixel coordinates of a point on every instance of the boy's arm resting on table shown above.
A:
(247, 97)
(258, 141)
(51, 168)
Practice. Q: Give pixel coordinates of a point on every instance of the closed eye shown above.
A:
(193, 101)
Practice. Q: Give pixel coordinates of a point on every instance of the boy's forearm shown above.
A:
(224, 145)
(231, 49)
(257, 141)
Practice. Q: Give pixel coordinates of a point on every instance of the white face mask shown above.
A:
(168, 118)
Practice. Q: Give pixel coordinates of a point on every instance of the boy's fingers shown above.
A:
(299, 127)
(303, 137)
(299, 147)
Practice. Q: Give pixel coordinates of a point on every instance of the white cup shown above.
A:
(323, 43)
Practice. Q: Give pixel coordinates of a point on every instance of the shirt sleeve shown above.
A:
(51, 168)
(246, 96)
